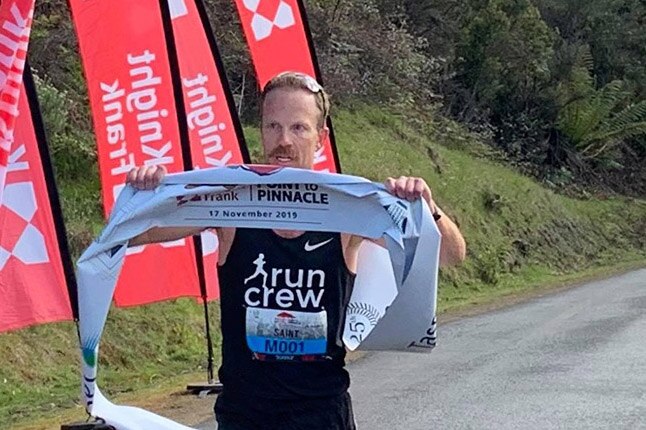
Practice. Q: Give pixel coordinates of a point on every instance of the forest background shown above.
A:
(558, 87)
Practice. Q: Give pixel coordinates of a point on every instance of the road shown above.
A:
(571, 360)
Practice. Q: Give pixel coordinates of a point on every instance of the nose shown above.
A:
(283, 138)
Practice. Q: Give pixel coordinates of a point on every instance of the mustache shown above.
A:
(282, 152)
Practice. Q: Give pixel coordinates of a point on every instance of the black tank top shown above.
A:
(282, 308)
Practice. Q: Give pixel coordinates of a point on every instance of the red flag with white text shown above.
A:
(279, 40)
(15, 27)
(33, 282)
(215, 134)
(125, 59)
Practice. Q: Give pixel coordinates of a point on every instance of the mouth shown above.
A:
(283, 159)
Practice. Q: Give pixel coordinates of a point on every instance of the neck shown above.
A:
(289, 234)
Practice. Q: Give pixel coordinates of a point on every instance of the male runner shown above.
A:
(283, 293)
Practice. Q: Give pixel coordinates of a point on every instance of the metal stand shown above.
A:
(87, 426)
(211, 386)
(204, 388)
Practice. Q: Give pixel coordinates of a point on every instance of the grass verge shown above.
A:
(522, 238)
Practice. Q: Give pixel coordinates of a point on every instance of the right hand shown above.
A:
(146, 177)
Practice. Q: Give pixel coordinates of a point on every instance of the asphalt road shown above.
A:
(572, 360)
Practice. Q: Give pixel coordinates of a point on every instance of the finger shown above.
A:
(140, 180)
(427, 195)
(400, 187)
(131, 177)
(149, 177)
(159, 176)
(420, 187)
(396, 188)
(410, 189)
(390, 185)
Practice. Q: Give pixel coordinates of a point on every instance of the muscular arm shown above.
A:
(164, 234)
(453, 247)
(149, 178)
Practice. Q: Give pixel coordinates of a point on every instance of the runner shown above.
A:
(260, 263)
(283, 293)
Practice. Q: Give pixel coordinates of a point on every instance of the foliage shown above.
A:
(227, 29)
(506, 64)
(614, 31)
(364, 54)
(503, 53)
(72, 148)
(513, 69)
(595, 123)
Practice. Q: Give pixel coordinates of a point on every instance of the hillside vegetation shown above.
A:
(559, 86)
(520, 236)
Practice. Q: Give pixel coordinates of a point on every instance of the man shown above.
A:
(266, 387)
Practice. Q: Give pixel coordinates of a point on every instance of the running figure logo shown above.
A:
(260, 270)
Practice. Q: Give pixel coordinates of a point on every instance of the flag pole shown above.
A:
(61, 234)
(319, 77)
(211, 385)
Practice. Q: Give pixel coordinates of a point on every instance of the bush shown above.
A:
(373, 56)
(72, 149)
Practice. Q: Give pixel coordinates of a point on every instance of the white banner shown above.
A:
(394, 298)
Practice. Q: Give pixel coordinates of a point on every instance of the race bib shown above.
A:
(285, 334)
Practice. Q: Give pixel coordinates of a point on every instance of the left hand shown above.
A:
(410, 188)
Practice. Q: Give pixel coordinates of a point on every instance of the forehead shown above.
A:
(286, 103)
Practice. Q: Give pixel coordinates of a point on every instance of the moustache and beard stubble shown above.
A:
(282, 152)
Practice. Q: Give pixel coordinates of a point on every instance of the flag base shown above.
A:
(86, 426)
(204, 388)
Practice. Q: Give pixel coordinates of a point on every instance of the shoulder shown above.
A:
(225, 240)
(226, 234)
(350, 245)
(350, 241)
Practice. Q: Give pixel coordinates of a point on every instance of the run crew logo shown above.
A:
(268, 14)
(283, 288)
(18, 209)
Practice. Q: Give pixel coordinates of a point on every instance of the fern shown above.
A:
(630, 115)
(595, 124)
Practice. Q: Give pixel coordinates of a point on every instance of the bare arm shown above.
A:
(453, 248)
(164, 234)
(149, 178)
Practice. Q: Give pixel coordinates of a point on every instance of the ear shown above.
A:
(324, 133)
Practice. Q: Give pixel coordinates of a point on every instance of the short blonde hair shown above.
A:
(300, 81)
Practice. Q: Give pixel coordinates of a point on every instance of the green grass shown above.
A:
(521, 237)
(511, 223)
(39, 366)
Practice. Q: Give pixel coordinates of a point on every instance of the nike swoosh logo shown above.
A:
(309, 247)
